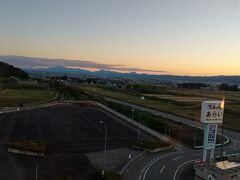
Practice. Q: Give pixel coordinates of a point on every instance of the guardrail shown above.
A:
(27, 107)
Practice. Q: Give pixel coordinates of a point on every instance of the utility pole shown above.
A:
(222, 142)
(132, 113)
(36, 172)
(195, 136)
(165, 129)
(140, 120)
(105, 148)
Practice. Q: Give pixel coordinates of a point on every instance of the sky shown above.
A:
(181, 37)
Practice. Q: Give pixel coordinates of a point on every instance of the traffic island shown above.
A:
(152, 147)
(27, 148)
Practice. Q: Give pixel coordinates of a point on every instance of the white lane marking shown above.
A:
(149, 165)
(176, 158)
(129, 162)
(162, 169)
(178, 148)
(183, 164)
(126, 172)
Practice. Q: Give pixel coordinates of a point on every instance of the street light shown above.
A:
(139, 126)
(195, 136)
(36, 172)
(105, 147)
(132, 113)
(140, 120)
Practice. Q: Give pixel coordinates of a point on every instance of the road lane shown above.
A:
(178, 164)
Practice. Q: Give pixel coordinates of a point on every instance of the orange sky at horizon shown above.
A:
(196, 38)
(197, 68)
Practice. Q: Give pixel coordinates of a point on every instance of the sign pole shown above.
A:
(212, 156)
(205, 142)
(211, 116)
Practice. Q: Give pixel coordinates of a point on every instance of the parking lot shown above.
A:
(68, 132)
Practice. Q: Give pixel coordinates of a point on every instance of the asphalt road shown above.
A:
(177, 165)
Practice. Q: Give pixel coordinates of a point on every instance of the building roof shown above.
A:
(225, 165)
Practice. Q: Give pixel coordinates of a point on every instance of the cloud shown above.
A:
(33, 62)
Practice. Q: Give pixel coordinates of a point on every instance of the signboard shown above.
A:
(212, 112)
(211, 136)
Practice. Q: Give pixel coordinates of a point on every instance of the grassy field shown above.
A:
(32, 146)
(183, 102)
(26, 95)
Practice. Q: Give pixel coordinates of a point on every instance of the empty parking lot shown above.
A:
(68, 132)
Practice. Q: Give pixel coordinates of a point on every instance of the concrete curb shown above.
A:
(29, 153)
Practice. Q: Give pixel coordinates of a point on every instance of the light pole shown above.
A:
(222, 145)
(132, 113)
(140, 119)
(65, 91)
(195, 136)
(36, 171)
(105, 147)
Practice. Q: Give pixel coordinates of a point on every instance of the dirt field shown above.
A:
(68, 133)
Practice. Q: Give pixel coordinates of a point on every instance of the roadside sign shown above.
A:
(212, 112)
(211, 116)
(211, 136)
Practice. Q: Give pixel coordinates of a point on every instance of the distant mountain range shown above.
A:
(61, 71)
(57, 67)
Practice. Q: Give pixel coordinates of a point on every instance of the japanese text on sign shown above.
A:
(212, 111)
(212, 128)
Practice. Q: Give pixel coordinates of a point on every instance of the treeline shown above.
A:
(221, 87)
(143, 88)
(226, 87)
(7, 70)
(194, 85)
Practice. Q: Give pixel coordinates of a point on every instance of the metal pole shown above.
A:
(212, 156)
(105, 147)
(132, 114)
(140, 120)
(169, 131)
(205, 142)
(222, 142)
(65, 91)
(36, 171)
(195, 134)
(165, 129)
